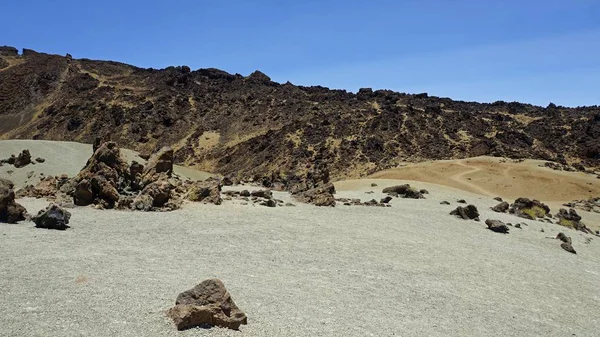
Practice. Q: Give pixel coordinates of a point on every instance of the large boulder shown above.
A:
(529, 209)
(205, 191)
(469, 212)
(159, 191)
(207, 304)
(53, 217)
(10, 211)
(571, 219)
(319, 196)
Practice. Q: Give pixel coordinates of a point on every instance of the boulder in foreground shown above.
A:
(53, 217)
(207, 304)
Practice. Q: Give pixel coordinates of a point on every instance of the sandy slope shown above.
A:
(62, 157)
(493, 176)
(408, 270)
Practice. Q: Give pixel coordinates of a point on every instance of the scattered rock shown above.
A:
(10, 211)
(386, 200)
(40, 160)
(444, 203)
(373, 185)
(461, 201)
(53, 217)
(501, 207)
(497, 226)
(562, 237)
(518, 226)
(319, 196)
(245, 193)
(23, 159)
(568, 247)
(498, 199)
(266, 194)
(424, 191)
(572, 220)
(208, 303)
(205, 191)
(269, 203)
(405, 191)
(469, 212)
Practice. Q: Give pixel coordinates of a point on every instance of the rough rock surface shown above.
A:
(497, 226)
(469, 212)
(319, 196)
(207, 304)
(571, 219)
(159, 162)
(53, 217)
(206, 192)
(568, 247)
(10, 211)
(562, 237)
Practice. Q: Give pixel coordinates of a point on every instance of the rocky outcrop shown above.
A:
(209, 303)
(318, 196)
(10, 211)
(571, 219)
(159, 162)
(497, 226)
(405, 191)
(53, 217)
(529, 209)
(589, 205)
(21, 160)
(469, 212)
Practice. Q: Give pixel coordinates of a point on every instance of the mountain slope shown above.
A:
(250, 125)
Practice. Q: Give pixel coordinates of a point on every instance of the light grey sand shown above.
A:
(62, 158)
(408, 270)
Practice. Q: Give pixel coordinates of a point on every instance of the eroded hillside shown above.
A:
(250, 125)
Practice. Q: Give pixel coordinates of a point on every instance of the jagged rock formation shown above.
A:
(53, 217)
(247, 126)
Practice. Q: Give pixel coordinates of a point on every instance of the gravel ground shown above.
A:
(408, 270)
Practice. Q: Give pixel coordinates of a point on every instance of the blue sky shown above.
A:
(530, 51)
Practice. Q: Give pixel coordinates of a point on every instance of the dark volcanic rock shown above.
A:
(23, 159)
(405, 191)
(10, 211)
(267, 194)
(53, 217)
(568, 247)
(501, 207)
(529, 209)
(562, 237)
(40, 160)
(208, 303)
(497, 226)
(469, 212)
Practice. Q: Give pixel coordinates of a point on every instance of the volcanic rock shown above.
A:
(529, 209)
(10, 211)
(319, 196)
(497, 226)
(208, 303)
(159, 162)
(53, 217)
(568, 247)
(562, 237)
(501, 207)
(469, 212)
(405, 191)
(40, 160)
(205, 191)
(23, 159)
(266, 194)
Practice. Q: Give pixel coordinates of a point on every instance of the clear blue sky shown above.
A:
(531, 51)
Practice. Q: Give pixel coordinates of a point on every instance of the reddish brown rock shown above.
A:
(208, 303)
(205, 191)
